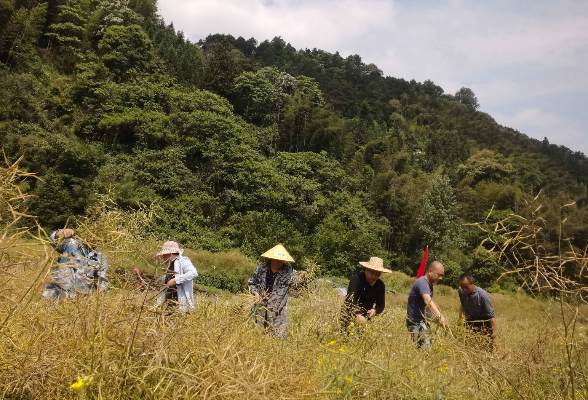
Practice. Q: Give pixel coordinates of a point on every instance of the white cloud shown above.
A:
(304, 24)
(510, 90)
(514, 55)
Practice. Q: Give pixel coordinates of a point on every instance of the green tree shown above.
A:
(69, 33)
(6, 9)
(256, 95)
(346, 235)
(222, 68)
(53, 203)
(486, 165)
(439, 224)
(466, 96)
(111, 13)
(126, 50)
(485, 267)
(20, 36)
(255, 232)
(164, 172)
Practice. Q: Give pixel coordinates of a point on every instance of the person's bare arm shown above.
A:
(431, 305)
(461, 311)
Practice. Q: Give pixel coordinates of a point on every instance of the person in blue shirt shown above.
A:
(421, 308)
(80, 269)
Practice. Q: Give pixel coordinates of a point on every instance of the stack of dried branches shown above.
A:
(560, 272)
(523, 248)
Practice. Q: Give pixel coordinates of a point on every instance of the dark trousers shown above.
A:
(480, 327)
(479, 334)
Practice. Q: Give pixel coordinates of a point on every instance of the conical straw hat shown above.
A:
(375, 264)
(278, 253)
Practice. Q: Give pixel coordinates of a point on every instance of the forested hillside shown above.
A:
(244, 144)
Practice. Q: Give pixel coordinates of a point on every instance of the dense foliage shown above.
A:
(244, 144)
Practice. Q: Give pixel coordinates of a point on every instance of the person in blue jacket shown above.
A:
(80, 269)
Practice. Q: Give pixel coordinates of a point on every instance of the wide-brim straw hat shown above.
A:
(375, 264)
(168, 247)
(278, 252)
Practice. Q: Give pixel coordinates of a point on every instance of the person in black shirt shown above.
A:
(366, 294)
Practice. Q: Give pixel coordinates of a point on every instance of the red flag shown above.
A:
(138, 276)
(423, 263)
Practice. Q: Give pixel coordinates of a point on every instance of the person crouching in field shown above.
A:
(421, 306)
(80, 268)
(270, 284)
(480, 317)
(178, 293)
(366, 294)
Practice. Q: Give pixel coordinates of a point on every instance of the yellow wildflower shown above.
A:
(320, 361)
(341, 350)
(331, 343)
(338, 391)
(77, 386)
(85, 381)
(349, 380)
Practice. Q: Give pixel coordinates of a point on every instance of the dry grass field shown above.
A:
(131, 351)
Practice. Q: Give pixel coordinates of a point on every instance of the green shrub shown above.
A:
(223, 280)
(485, 268)
(397, 282)
(496, 289)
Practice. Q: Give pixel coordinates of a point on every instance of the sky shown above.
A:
(526, 60)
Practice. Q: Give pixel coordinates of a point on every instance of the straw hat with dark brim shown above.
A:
(278, 252)
(375, 264)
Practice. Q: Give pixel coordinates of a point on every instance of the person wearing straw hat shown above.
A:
(179, 289)
(270, 284)
(366, 294)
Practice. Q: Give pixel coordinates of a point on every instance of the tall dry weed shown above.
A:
(560, 274)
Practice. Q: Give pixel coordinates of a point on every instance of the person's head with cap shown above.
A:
(277, 256)
(373, 269)
(169, 251)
